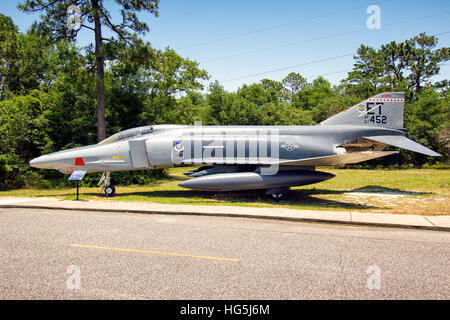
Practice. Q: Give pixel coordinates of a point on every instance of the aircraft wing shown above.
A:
(339, 159)
(405, 143)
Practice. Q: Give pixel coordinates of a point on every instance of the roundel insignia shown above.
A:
(361, 108)
(289, 146)
(178, 146)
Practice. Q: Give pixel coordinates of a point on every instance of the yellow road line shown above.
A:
(155, 252)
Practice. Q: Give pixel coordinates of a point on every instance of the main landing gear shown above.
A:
(105, 181)
(277, 193)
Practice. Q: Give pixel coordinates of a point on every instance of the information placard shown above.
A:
(77, 175)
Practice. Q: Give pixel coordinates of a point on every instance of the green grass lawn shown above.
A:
(413, 191)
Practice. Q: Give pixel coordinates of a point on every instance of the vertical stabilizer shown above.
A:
(383, 110)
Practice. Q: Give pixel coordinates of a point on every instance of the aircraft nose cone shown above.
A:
(40, 162)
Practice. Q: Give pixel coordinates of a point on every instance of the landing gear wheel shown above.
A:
(277, 196)
(277, 193)
(110, 191)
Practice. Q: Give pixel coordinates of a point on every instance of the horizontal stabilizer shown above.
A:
(340, 159)
(405, 143)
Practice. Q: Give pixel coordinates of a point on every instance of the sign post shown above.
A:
(77, 175)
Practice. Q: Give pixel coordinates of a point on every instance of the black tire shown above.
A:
(110, 191)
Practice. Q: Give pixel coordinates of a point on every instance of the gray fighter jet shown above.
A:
(273, 158)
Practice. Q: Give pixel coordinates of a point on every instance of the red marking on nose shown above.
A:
(79, 162)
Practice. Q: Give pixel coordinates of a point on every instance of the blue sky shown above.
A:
(240, 42)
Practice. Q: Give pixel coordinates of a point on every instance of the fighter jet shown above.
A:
(272, 158)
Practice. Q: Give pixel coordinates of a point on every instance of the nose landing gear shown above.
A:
(110, 191)
(105, 181)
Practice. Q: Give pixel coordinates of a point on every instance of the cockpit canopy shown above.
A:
(139, 131)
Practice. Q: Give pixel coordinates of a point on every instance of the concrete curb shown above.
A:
(59, 205)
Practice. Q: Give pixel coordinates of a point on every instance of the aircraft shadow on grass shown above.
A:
(297, 197)
(294, 198)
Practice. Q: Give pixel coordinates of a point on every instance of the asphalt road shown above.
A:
(49, 254)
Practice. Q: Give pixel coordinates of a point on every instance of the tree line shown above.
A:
(49, 96)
